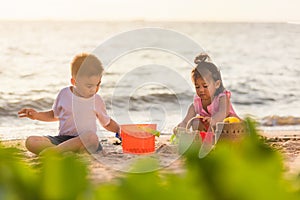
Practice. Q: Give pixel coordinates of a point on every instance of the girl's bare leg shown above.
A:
(36, 144)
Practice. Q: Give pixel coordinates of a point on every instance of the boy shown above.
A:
(76, 108)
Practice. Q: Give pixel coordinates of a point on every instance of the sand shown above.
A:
(288, 143)
(112, 162)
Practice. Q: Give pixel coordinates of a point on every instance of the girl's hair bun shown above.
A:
(202, 57)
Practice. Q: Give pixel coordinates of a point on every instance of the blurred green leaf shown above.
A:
(17, 179)
(249, 169)
(62, 176)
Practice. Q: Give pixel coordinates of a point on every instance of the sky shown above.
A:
(152, 10)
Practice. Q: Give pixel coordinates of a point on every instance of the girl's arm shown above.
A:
(46, 116)
(224, 108)
(113, 126)
(189, 115)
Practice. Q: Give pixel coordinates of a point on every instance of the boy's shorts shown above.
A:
(56, 140)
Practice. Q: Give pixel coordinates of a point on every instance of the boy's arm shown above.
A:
(46, 116)
(112, 126)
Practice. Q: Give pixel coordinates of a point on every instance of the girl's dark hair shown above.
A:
(203, 66)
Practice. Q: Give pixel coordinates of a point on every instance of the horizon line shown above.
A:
(146, 20)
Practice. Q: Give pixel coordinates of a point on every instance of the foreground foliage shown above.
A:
(247, 170)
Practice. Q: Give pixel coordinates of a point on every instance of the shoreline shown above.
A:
(268, 131)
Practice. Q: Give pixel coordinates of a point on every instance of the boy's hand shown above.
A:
(28, 112)
(178, 130)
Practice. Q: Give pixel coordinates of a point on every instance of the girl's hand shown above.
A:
(175, 129)
(28, 112)
(206, 120)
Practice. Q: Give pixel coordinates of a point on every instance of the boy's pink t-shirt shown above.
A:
(78, 115)
(213, 107)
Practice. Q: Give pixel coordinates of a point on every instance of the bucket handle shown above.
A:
(196, 117)
(173, 136)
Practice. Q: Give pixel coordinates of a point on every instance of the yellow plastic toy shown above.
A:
(231, 120)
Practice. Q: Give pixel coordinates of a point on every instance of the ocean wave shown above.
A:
(136, 102)
(11, 108)
(248, 103)
(276, 120)
(140, 103)
(160, 97)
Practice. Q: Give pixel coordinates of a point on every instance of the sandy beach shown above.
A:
(112, 162)
(288, 143)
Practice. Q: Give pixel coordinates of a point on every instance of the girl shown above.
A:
(212, 102)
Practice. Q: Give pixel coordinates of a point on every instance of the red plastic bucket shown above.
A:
(207, 136)
(135, 140)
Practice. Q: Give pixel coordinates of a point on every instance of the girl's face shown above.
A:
(206, 87)
(86, 86)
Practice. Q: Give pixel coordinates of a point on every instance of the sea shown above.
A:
(147, 69)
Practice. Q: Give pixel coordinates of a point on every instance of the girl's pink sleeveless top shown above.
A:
(213, 107)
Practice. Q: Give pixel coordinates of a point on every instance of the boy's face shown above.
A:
(86, 86)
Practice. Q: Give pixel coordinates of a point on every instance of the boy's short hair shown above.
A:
(86, 64)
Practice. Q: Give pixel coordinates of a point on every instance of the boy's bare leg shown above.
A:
(36, 144)
(87, 141)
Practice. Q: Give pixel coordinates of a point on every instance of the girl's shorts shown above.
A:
(56, 140)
